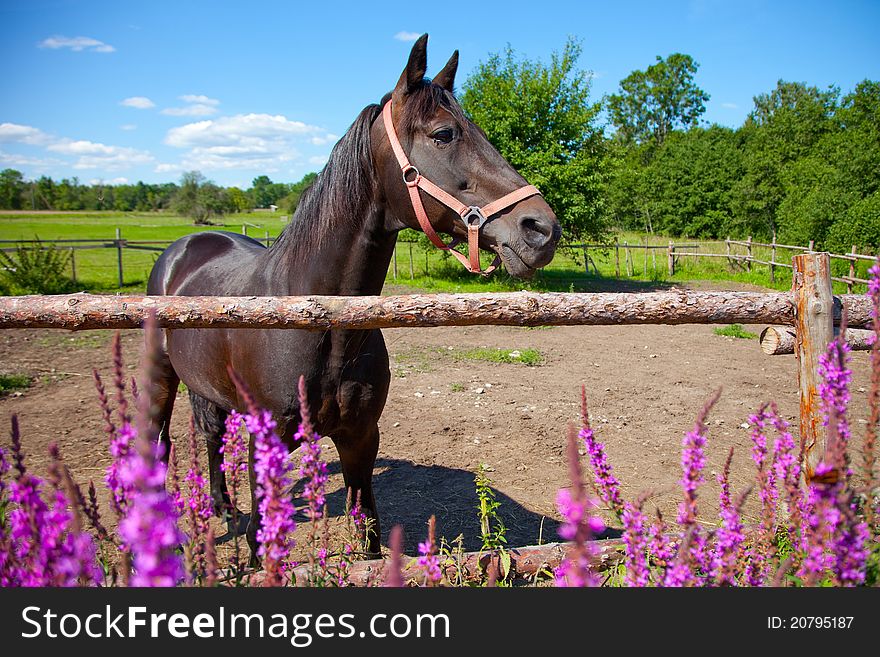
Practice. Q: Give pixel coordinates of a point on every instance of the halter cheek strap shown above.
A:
(473, 216)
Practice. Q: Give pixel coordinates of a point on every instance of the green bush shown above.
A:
(35, 269)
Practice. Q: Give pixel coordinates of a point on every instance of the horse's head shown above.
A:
(432, 160)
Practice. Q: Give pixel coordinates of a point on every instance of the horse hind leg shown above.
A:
(165, 383)
(210, 421)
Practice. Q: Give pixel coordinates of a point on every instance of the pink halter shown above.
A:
(473, 217)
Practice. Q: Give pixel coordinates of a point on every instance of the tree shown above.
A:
(238, 200)
(830, 192)
(541, 120)
(652, 103)
(291, 201)
(11, 189)
(784, 128)
(199, 198)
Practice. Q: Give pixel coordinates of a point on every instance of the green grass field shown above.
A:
(431, 269)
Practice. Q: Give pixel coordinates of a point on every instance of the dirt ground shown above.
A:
(445, 415)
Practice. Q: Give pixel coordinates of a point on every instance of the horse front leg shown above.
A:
(357, 455)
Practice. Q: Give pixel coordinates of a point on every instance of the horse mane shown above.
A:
(342, 190)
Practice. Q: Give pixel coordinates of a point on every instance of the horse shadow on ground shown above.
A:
(408, 494)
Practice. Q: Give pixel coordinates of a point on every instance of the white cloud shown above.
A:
(121, 180)
(94, 155)
(164, 167)
(201, 100)
(128, 126)
(318, 160)
(23, 134)
(730, 105)
(199, 109)
(18, 160)
(258, 141)
(138, 102)
(198, 106)
(407, 36)
(322, 140)
(76, 44)
(241, 129)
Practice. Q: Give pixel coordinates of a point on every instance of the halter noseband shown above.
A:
(473, 216)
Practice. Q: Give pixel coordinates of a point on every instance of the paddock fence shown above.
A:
(411, 257)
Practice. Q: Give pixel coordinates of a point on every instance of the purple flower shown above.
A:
(578, 525)
(729, 537)
(120, 447)
(428, 560)
(40, 544)
(834, 393)
(606, 483)
(635, 540)
(148, 527)
(313, 470)
(693, 460)
(234, 448)
(273, 472)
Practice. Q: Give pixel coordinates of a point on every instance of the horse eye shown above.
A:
(443, 136)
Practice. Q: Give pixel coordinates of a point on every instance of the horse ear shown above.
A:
(414, 73)
(446, 77)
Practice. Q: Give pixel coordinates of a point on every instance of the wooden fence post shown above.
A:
(629, 271)
(670, 258)
(727, 242)
(852, 271)
(616, 259)
(412, 273)
(814, 326)
(73, 264)
(426, 263)
(749, 254)
(586, 260)
(244, 229)
(267, 239)
(119, 255)
(395, 261)
(645, 269)
(773, 259)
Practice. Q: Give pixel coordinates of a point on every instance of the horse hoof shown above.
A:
(243, 520)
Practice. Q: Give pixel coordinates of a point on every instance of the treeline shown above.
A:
(194, 195)
(804, 166)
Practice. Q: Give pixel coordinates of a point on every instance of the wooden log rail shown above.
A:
(87, 311)
(779, 340)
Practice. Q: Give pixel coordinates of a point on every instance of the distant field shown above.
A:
(96, 269)
(417, 267)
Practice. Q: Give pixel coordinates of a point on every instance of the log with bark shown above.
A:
(778, 340)
(87, 311)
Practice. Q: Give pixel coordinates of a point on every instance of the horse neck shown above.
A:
(351, 259)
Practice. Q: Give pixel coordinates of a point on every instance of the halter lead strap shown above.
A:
(473, 216)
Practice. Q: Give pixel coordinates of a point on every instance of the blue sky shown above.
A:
(124, 91)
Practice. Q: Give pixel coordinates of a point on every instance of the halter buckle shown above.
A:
(411, 170)
(474, 217)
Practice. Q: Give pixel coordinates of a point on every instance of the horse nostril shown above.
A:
(537, 232)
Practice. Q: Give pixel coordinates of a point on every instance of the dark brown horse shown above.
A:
(340, 242)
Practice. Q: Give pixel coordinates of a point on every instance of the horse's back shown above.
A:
(201, 263)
